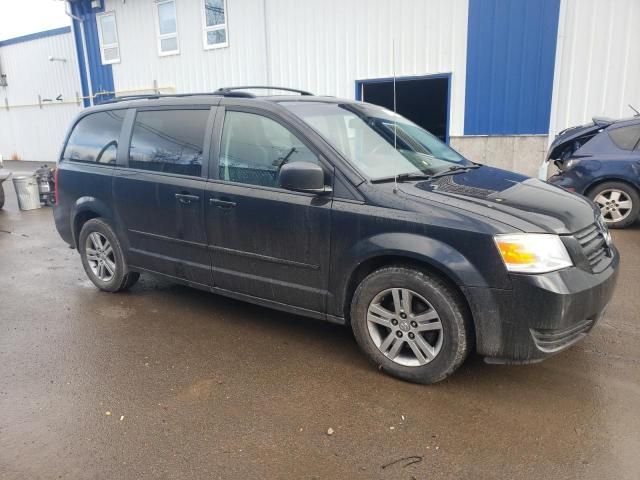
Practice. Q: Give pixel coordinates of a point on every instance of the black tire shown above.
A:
(122, 278)
(457, 330)
(625, 189)
(1, 195)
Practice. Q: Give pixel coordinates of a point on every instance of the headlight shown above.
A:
(532, 252)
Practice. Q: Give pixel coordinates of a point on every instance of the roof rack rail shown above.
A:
(234, 91)
(153, 96)
(224, 92)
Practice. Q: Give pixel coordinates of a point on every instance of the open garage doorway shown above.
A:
(423, 100)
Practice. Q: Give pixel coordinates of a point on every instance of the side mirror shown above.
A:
(302, 177)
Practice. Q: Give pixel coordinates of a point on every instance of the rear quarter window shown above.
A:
(94, 139)
(169, 141)
(626, 138)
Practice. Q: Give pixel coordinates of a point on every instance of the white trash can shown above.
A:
(27, 191)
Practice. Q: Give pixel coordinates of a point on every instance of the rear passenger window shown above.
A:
(95, 138)
(169, 141)
(254, 148)
(626, 138)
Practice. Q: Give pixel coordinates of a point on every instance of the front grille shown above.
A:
(553, 340)
(593, 246)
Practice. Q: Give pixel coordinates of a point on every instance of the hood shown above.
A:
(532, 205)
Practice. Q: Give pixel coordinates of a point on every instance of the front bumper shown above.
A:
(542, 314)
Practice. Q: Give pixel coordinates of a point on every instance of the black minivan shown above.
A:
(337, 210)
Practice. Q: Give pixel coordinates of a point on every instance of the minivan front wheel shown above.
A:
(102, 257)
(412, 325)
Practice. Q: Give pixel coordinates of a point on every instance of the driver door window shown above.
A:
(254, 147)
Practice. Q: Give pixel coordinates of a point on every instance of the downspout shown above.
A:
(84, 46)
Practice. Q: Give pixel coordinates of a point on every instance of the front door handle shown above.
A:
(187, 199)
(226, 204)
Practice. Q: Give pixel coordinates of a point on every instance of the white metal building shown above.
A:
(495, 78)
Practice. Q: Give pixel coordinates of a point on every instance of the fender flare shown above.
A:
(87, 204)
(432, 252)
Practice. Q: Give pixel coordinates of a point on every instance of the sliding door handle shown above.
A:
(186, 198)
(222, 203)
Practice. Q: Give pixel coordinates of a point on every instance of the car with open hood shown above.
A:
(336, 210)
(601, 160)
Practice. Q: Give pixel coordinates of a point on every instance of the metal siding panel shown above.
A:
(194, 69)
(598, 62)
(325, 46)
(29, 131)
(320, 45)
(510, 58)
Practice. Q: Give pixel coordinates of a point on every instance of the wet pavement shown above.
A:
(200, 386)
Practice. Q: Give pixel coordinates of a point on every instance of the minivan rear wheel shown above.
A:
(412, 325)
(619, 203)
(102, 257)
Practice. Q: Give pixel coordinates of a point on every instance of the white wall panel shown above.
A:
(31, 132)
(597, 61)
(320, 45)
(326, 45)
(194, 69)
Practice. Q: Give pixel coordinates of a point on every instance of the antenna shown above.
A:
(395, 124)
(393, 67)
(633, 108)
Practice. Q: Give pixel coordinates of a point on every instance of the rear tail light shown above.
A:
(55, 185)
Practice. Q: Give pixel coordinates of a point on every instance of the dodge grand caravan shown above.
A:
(337, 210)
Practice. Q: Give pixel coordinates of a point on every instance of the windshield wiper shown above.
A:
(403, 177)
(457, 169)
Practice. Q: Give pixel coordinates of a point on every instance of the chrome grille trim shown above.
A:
(594, 246)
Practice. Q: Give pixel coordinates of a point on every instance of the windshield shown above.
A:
(378, 142)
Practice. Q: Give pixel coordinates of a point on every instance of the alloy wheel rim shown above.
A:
(615, 205)
(100, 256)
(405, 327)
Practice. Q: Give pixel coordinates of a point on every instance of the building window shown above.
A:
(215, 24)
(167, 27)
(108, 38)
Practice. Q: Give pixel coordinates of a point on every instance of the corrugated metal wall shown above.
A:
(31, 132)
(320, 45)
(598, 61)
(326, 45)
(194, 69)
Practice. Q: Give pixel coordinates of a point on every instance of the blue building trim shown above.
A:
(82, 65)
(35, 36)
(511, 49)
(100, 76)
